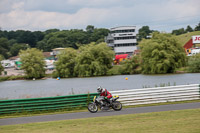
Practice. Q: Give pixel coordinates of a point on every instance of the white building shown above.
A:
(122, 39)
(8, 63)
(193, 51)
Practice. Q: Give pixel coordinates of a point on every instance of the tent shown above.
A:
(121, 56)
(18, 64)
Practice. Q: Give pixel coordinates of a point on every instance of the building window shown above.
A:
(124, 38)
(125, 44)
(123, 31)
(110, 41)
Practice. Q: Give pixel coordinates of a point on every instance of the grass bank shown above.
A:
(21, 77)
(184, 38)
(182, 121)
(5, 78)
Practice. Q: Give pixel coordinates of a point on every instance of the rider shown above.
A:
(103, 92)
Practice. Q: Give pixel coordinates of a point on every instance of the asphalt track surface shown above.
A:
(68, 116)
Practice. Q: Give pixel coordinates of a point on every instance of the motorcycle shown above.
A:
(99, 102)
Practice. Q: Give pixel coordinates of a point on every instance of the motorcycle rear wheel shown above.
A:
(92, 107)
(117, 106)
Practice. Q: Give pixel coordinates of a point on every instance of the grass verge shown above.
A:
(5, 78)
(157, 104)
(47, 112)
(181, 121)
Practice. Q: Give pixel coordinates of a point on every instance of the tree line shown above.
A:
(160, 54)
(145, 32)
(188, 29)
(11, 42)
(88, 60)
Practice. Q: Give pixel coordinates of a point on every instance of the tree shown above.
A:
(144, 32)
(66, 63)
(129, 66)
(11, 42)
(93, 60)
(62, 39)
(189, 29)
(98, 35)
(179, 31)
(90, 28)
(1, 57)
(4, 47)
(32, 62)
(3, 34)
(51, 31)
(12, 35)
(197, 28)
(27, 37)
(161, 54)
(14, 50)
(88, 60)
(38, 35)
(1, 67)
(194, 63)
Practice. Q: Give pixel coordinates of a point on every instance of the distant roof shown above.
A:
(188, 45)
(137, 51)
(122, 27)
(47, 54)
(58, 49)
(14, 57)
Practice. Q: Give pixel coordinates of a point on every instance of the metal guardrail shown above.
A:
(127, 97)
(158, 95)
(45, 104)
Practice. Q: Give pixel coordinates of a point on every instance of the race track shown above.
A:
(67, 116)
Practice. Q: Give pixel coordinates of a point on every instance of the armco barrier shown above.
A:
(44, 104)
(127, 97)
(158, 95)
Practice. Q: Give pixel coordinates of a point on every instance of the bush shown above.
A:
(66, 63)
(89, 60)
(115, 70)
(32, 63)
(194, 63)
(162, 54)
(129, 66)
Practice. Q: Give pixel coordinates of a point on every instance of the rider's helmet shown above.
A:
(99, 89)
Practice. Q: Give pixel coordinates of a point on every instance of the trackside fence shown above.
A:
(127, 97)
(45, 104)
(158, 95)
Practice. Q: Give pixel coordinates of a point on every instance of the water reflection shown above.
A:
(52, 87)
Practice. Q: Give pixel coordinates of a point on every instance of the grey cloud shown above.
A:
(43, 14)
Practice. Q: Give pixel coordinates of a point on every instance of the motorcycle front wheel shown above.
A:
(92, 107)
(117, 106)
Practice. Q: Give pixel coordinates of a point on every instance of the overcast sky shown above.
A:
(162, 15)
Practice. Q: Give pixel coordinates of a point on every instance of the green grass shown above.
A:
(184, 38)
(182, 70)
(5, 78)
(115, 70)
(157, 104)
(48, 112)
(181, 121)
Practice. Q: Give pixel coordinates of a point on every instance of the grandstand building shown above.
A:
(122, 39)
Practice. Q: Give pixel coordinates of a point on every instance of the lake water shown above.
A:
(19, 89)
